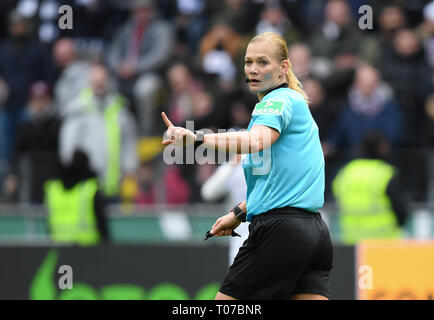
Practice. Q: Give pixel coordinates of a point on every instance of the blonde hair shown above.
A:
(282, 55)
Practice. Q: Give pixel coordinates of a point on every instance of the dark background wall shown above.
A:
(133, 272)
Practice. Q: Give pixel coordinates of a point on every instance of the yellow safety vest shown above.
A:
(111, 116)
(365, 209)
(71, 212)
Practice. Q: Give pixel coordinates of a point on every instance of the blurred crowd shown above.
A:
(101, 86)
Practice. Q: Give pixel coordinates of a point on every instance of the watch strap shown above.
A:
(240, 214)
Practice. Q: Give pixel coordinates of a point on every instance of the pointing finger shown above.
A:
(166, 120)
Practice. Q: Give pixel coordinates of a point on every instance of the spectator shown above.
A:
(274, 18)
(311, 15)
(295, 12)
(370, 105)
(71, 72)
(335, 81)
(219, 52)
(369, 195)
(235, 108)
(301, 60)
(99, 122)
(203, 111)
(182, 87)
(338, 38)
(305, 65)
(23, 61)
(137, 53)
(44, 16)
(75, 205)
(191, 22)
(35, 155)
(378, 46)
(96, 19)
(323, 109)
(407, 61)
(426, 32)
(241, 15)
(188, 100)
(239, 113)
(391, 20)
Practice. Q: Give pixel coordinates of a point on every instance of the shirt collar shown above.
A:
(282, 85)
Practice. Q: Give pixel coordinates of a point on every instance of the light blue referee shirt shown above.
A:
(291, 171)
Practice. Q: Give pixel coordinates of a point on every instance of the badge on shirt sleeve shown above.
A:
(268, 107)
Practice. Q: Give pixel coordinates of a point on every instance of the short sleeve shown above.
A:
(273, 112)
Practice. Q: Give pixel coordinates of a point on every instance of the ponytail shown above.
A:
(295, 84)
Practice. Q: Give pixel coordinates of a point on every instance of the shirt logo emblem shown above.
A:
(268, 107)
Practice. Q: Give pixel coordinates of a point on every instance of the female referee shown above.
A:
(288, 254)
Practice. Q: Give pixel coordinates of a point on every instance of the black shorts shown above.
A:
(288, 251)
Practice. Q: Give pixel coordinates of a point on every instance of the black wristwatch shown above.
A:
(240, 214)
(199, 137)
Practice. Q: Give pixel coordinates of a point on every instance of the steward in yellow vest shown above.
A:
(114, 140)
(368, 195)
(76, 210)
(99, 121)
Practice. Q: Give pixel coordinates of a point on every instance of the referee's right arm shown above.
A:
(258, 138)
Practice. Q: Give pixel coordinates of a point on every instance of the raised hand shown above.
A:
(179, 136)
